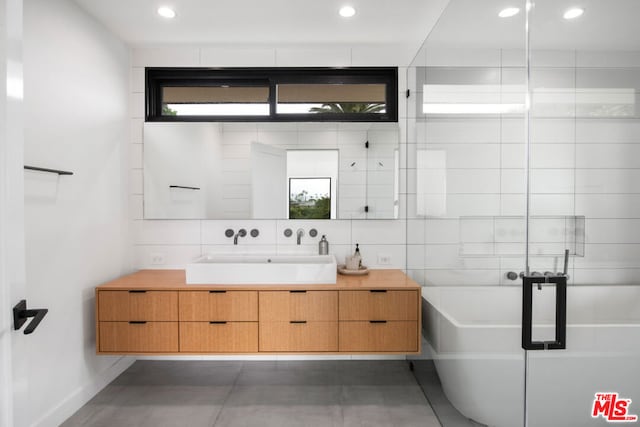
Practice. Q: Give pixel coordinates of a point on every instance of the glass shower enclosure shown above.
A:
(523, 209)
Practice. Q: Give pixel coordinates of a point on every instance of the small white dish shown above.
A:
(363, 270)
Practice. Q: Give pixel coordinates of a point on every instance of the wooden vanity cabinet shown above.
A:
(218, 305)
(218, 321)
(137, 321)
(136, 304)
(298, 321)
(379, 320)
(155, 312)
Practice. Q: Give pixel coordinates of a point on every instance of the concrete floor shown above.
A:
(262, 393)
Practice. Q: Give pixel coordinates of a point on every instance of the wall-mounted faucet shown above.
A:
(565, 271)
(241, 233)
(512, 275)
(299, 235)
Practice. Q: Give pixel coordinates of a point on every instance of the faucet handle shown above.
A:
(229, 232)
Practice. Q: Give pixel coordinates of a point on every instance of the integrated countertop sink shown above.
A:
(262, 269)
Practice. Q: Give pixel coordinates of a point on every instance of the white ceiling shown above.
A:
(605, 25)
(266, 21)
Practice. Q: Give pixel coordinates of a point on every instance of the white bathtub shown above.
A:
(474, 335)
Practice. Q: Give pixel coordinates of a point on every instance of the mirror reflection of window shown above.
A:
(310, 198)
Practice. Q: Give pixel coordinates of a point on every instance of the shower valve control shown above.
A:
(512, 275)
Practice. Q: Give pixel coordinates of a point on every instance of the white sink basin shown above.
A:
(262, 270)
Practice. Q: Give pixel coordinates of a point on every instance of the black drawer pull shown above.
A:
(298, 321)
(377, 321)
(137, 292)
(217, 292)
(217, 322)
(378, 291)
(137, 322)
(298, 292)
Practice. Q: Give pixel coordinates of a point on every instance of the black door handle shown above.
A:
(21, 314)
(560, 342)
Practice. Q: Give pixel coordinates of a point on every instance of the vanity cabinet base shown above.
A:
(377, 314)
(138, 337)
(218, 337)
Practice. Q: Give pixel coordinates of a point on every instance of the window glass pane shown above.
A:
(215, 101)
(331, 98)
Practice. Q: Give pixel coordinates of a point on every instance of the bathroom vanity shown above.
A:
(157, 312)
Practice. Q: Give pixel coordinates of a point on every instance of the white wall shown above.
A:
(13, 345)
(76, 110)
(179, 242)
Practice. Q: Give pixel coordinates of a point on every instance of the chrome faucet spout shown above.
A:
(299, 235)
(241, 233)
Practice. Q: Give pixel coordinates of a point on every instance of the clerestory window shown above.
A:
(272, 94)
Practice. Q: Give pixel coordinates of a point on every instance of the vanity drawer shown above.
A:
(221, 337)
(395, 336)
(227, 306)
(311, 306)
(298, 336)
(137, 305)
(140, 337)
(379, 304)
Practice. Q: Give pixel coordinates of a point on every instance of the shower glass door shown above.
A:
(465, 163)
(584, 198)
(523, 151)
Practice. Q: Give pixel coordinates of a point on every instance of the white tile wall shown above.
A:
(608, 155)
(237, 56)
(608, 59)
(469, 156)
(180, 241)
(584, 161)
(595, 158)
(604, 130)
(166, 56)
(612, 230)
(338, 56)
(609, 181)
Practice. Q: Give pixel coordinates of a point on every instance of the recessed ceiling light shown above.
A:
(509, 12)
(573, 13)
(347, 11)
(166, 12)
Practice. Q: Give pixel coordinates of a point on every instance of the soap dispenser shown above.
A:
(323, 246)
(357, 255)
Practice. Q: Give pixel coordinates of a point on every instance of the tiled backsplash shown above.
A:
(174, 243)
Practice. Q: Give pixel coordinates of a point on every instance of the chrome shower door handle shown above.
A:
(560, 342)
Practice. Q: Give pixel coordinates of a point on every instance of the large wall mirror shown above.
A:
(271, 170)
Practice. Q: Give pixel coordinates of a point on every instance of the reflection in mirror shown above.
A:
(312, 175)
(248, 170)
(310, 198)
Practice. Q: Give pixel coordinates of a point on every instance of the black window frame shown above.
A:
(158, 77)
